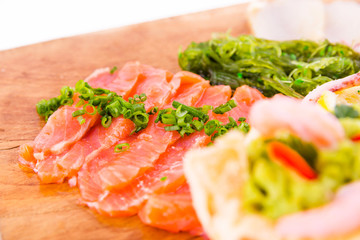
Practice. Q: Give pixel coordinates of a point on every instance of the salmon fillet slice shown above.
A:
(128, 200)
(172, 212)
(158, 87)
(111, 171)
(177, 215)
(169, 165)
(62, 130)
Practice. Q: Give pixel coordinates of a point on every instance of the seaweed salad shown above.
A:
(293, 68)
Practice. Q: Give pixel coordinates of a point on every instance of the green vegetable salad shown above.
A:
(293, 68)
(274, 189)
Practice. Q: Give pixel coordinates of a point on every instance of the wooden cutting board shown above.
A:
(29, 210)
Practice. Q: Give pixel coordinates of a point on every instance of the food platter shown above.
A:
(29, 210)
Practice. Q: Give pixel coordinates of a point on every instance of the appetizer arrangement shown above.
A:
(294, 176)
(120, 136)
(255, 139)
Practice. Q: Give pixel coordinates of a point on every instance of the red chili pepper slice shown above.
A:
(356, 138)
(292, 159)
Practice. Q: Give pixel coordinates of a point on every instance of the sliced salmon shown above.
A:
(168, 165)
(157, 86)
(172, 212)
(62, 130)
(111, 171)
(148, 178)
(128, 200)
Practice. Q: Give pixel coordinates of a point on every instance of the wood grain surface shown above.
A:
(29, 210)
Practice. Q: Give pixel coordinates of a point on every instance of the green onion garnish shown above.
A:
(93, 109)
(122, 147)
(81, 120)
(78, 113)
(113, 70)
(153, 111)
(106, 121)
(223, 108)
(99, 101)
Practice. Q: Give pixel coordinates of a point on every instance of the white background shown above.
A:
(25, 22)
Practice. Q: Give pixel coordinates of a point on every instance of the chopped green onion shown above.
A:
(122, 147)
(211, 126)
(80, 103)
(79, 85)
(172, 128)
(143, 97)
(191, 110)
(180, 112)
(223, 108)
(54, 104)
(78, 113)
(140, 118)
(113, 70)
(186, 130)
(198, 125)
(168, 118)
(163, 178)
(67, 101)
(67, 92)
(241, 119)
(81, 120)
(128, 114)
(42, 107)
(153, 110)
(100, 91)
(205, 109)
(106, 121)
(93, 109)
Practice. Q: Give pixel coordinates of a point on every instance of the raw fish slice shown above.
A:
(120, 81)
(61, 129)
(169, 165)
(244, 97)
(90, 182)
(26, 155)
(147, 148)
(157, 86)
(97, 138)
(173, 212)
(127, 201)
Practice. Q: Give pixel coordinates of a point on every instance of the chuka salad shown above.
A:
(293, 68)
